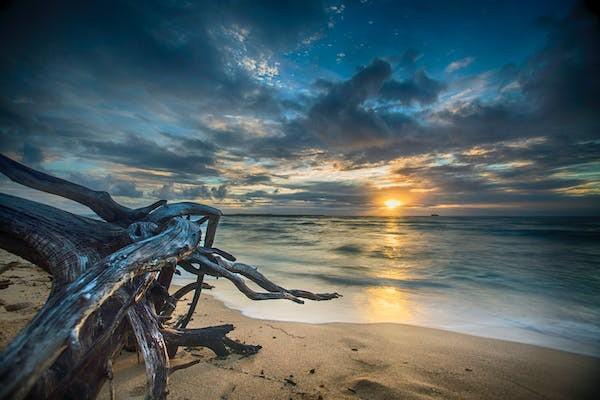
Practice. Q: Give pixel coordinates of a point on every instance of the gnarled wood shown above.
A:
(58, 324)
(218, 269)
(62, 243)
(152, 346)
(168, 211)
(252, 273)
(213, 221)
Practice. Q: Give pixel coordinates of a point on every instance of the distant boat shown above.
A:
(435, 215)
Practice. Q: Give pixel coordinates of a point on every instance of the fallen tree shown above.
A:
(112, 278)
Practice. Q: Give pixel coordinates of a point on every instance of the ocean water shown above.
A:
(533, 280)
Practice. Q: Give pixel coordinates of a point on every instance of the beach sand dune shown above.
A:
(331, 361)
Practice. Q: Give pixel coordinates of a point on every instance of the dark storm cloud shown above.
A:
(192, 144)
(137, 42)
(419, 89)
(408, 60)
(142, 153)
(197, 191)
(339, 119)
(562, 80)
(474, 122)
(291, 145)
(559, 92)
(560, 95)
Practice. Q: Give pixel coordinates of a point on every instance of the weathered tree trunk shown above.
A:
(112, 277)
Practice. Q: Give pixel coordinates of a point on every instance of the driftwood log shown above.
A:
(111, 280)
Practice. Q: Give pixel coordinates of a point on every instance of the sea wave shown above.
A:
(531, 278)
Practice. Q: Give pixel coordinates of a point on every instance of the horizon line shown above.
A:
(396, 216)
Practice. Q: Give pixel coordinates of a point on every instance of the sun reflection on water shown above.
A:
(394, 242)
(389, 304)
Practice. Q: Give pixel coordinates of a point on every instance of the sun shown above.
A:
(392, 203)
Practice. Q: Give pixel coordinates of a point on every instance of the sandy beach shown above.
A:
(330, 361)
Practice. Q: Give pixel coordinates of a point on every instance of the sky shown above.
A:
(309, 107)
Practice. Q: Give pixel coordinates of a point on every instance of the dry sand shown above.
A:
(332, 361)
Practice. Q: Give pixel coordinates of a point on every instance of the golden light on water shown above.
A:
(392, 203)
(388, 304)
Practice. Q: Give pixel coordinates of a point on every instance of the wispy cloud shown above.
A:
(459, 64)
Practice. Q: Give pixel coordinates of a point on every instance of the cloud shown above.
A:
(219, 192)
(418, 89)
(196, 191)
(317, 194)
(341, 121)
(142, 153)
(409, 59)
(172, 191)
(561, 80)
(32, 155)
(115, 186)
(459, 64)
(338, 117)
(124, 188)
(256, 179)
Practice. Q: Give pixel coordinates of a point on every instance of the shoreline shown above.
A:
(227, 294)
(334, 360)
(399, 324)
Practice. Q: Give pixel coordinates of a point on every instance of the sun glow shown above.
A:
(392, 203)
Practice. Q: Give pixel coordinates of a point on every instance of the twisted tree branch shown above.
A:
(100, 202)
(255, 276)
(215, 269)
(153, 348)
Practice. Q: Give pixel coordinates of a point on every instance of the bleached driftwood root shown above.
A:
(112, 277)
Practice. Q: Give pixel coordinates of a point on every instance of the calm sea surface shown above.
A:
(532, 280)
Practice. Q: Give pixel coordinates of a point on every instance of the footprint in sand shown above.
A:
(370, 363)
(368, 388)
